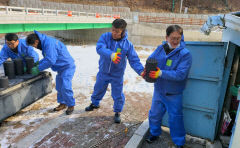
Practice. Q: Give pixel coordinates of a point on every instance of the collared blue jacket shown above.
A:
(175, 68)
(55, 54)
(23, 51)
(107, 45)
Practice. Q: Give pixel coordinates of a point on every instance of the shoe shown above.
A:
(70, 110)
(151, 138)
(117, 118)
(91, 107)
(179, 146)
(60, 107)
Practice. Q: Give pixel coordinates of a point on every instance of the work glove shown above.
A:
(143, 74)
(36, 64)
(24, 69)
(155, 74)
(115, 57)
(35, 71)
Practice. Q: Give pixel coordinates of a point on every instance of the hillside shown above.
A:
(194, 6)
(4, 2)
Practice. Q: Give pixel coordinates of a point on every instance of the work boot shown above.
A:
(151, 138)
(70, 110)
(179, 146)
(60, 107)
(91, 107)
(117, 118)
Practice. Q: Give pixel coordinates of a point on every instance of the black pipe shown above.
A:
(151, 65)
(29, 64)
(18, 64)
(9, 69)
(3, 82)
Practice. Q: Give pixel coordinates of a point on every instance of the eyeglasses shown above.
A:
(175, 38)
(11, 43)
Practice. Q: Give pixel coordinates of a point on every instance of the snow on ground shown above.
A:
(86, 60)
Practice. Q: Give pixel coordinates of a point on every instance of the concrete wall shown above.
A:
(79, 37)
(152, 34)
(21, 95)
(149, 34)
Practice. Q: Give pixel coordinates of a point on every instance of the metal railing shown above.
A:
(9, 10)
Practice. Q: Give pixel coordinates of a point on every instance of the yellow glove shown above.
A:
(155, 74)
(116, 58)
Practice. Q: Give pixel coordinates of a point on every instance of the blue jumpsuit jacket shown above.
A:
(57, 57)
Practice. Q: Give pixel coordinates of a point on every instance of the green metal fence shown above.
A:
(11, 28)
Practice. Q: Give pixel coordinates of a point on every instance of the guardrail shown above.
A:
(171, 20)
(9, 10)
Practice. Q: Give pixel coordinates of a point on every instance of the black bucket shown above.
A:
(29, 64)
(18, 63)
(9, 69)
(4, 82)
(151, 65)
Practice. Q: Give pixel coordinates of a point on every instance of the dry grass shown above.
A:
(36, 106)
(139, 48)
(94, 78)
(143, 56)
(4, 2)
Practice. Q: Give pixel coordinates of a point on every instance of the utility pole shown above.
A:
(181, 6)
(173, 6)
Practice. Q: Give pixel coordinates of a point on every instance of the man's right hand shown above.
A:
(115, 57)
(36, 64)
(35, 71)
(143, 73)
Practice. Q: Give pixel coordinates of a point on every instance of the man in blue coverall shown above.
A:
(58, 58)
(174, 63)
(114, 49)
(16, 48)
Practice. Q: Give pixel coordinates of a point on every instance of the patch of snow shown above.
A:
(105, 136)
(111, 131)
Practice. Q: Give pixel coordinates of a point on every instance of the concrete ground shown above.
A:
(164, 141)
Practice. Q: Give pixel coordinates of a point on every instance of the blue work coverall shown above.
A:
(168, 91)
(23, 51)
(58, 58)
(113, 73)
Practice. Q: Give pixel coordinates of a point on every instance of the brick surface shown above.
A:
(98, 128)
